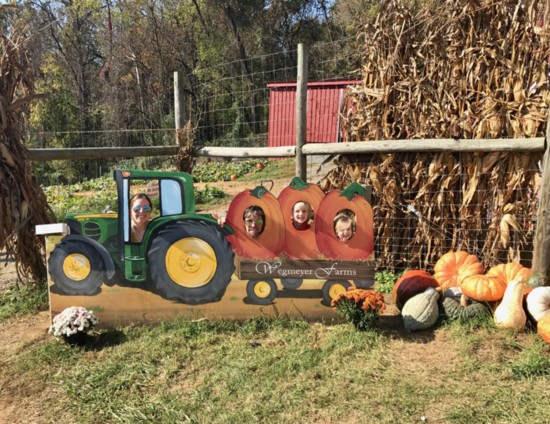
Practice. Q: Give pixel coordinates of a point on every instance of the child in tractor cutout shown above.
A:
(343, 228)
(301, 216)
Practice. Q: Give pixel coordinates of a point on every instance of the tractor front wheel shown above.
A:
(76, 268)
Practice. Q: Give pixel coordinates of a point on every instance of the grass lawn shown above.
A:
(274, 371)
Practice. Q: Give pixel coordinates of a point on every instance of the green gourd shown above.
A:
(421, 311)
(464, 309)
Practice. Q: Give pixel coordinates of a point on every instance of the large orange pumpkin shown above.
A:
(300, 244)
(453, 267)
(543, 328)
(361, 245)
(271, 241)
(410, 284)
(483, 288)
(511, 271)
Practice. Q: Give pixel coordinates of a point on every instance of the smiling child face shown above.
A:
(300, 213)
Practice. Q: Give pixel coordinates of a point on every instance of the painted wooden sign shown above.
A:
(158, 258)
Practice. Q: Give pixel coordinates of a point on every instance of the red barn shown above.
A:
(324, 102)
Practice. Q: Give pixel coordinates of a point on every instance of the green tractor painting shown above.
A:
(184, 256)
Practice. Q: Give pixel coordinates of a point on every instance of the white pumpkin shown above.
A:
(538, 302)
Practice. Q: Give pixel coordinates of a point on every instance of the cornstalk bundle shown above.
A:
(22, 202)
(469, 70)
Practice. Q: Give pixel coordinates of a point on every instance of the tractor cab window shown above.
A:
(171, 197)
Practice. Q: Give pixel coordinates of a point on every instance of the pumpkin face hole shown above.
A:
(302, 215)
(254, 221)
(344, 225)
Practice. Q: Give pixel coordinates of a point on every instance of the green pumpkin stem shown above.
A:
(353, 189)
(258, 192)
(298, 184)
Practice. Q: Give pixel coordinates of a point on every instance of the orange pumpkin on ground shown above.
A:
(483, 288)
(300, 244)
(453, 267)
(361, 245)
(511, 271)
(543, 328)
(410, 284)
(271, 241)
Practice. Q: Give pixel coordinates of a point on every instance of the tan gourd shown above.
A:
(510, 314)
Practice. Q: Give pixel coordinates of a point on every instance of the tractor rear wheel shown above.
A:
(76, 268)
(191, 262)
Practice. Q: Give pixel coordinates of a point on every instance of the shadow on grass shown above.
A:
(392, 326)
(107, 338)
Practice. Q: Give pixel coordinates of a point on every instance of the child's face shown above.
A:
(300, 213)
(253, 225)
(344, 231)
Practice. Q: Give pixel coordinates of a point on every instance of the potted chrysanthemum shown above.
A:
(73, 324)
(361, 307)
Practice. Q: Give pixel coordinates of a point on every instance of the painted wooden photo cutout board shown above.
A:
(188, 265)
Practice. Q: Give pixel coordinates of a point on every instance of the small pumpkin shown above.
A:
(543, 328)
(300, 244)
(538, 302)
(421, 311)
(464, 309)
(453, 267)
(483, 288)
(410, 284)
(361, 245)
(260, 166)
(509, 314)
(270, 242)
(233, 177)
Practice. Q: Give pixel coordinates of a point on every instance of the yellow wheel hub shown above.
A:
(191, 262)
(336, 289)
(262, 289)
(77, 267)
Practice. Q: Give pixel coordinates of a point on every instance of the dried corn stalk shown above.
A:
(469, 70)
(23, 204)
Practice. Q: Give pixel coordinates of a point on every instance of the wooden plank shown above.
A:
(535, 144)
(435, 145)
(39, 155)
(304, 269)
(301, 111)
(541, 241)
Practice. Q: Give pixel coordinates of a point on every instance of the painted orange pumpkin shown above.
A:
(543, 328)
(410, 284)
(483, 288)
(511, 271)
(361, 245)
(271, 240)
(300, 244)
(453, 267)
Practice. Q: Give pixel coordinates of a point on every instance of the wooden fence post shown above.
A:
(541, 242)
(179, 104)
(301, 111)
